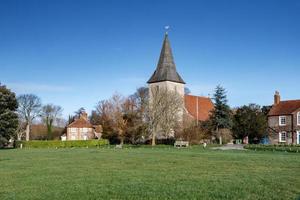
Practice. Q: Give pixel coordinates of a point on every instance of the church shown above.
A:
(166, 75)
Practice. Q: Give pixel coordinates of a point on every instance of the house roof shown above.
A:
(285, 107)
(198, 107)
(80, 123)
(166, 69)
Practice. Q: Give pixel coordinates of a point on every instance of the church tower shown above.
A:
(166, 74)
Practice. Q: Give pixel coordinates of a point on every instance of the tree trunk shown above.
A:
(220, 139)
(220, 136)
(153, 139)
(122, 141)
(49, 130)
(27, 131)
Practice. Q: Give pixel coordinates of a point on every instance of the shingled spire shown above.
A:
(166, 69)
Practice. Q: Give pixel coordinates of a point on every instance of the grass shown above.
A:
(145, 173)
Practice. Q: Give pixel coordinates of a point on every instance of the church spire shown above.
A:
(166, 68)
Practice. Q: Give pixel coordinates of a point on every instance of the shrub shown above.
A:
(280, 147)
(61, 144)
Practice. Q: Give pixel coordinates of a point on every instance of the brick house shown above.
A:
(284, 121)
(80, 129)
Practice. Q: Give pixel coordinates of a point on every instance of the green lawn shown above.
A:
(145, 173)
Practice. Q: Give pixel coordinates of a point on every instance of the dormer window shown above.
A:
(298, 118)
(282, 120)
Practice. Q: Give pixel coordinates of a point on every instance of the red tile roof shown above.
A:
(200, 111)
(80, 123)
(285, 107)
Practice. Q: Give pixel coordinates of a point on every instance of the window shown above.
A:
(73, 130)
(73, 136)
(298, 137)
(298, 118)
(282, 137)
(84, 130)
(282, 120)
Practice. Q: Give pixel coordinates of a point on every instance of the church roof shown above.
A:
(166, 69)
(198, 107)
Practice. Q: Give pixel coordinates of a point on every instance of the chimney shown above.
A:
(276, 98)
(84, 115)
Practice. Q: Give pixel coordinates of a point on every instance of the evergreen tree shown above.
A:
(249, 121)
(8, 116)
(221, 115)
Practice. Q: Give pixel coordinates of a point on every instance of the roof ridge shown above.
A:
(78, 120)
(198, 96)
(290, 100)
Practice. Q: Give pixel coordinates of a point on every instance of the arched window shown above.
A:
(298, 118)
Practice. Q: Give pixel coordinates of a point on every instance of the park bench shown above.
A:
(180, 144)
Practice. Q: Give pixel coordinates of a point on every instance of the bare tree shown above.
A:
(50, 114)
(29, 108)
(21, 129)
(102, 115)
(165, 111)
(141, 97)
(119, 121)
(135, 108)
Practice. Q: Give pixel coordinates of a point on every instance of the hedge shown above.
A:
(61, 144)
(277, 147)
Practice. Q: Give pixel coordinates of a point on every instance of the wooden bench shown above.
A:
(180, 144)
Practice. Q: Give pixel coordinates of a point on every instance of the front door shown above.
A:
(298, 137)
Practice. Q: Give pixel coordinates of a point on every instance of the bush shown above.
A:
(280, 147)
(61, 144)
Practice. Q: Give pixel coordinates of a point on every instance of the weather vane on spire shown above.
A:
(167, 28)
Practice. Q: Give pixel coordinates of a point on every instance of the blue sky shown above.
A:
(75, 53)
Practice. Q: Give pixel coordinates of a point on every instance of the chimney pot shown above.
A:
(83, 115)
(276, 98)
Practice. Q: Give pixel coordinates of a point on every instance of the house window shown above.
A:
(73, 136)
(84, 130)
(298, 118)
(282, 137)
(282, 120)
(84, 133)
(73, 130)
